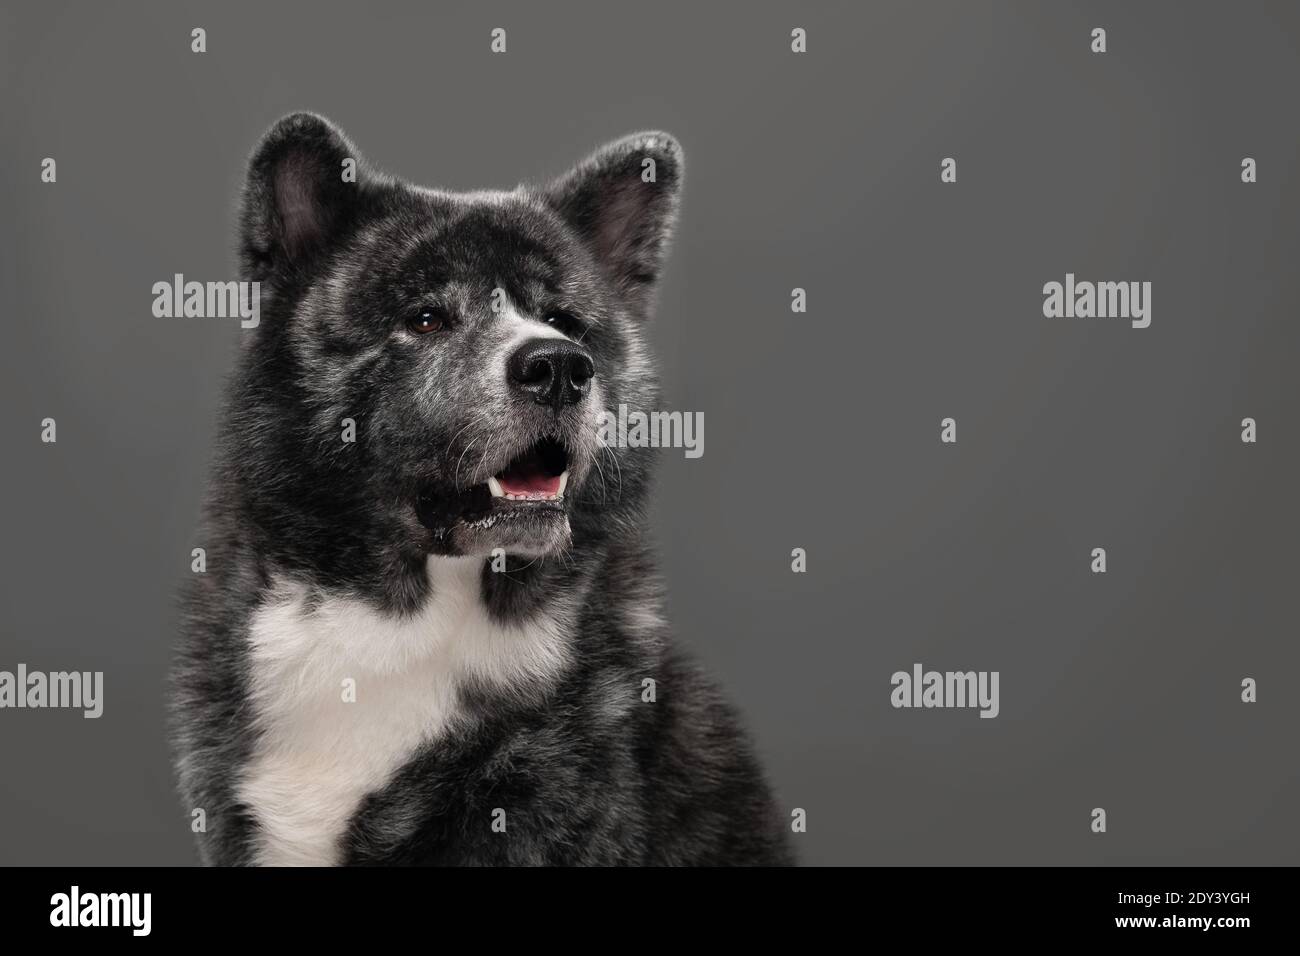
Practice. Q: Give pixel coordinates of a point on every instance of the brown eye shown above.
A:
(426, 321)
(565, 322)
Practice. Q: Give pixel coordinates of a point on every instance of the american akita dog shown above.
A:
(430, 627)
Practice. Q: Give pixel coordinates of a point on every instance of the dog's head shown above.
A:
(430, 367)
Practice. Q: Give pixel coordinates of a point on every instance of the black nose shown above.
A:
(554, 372)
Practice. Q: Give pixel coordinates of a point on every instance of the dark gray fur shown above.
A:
(590, 772)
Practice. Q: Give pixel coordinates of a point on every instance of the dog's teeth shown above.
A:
(495, 487)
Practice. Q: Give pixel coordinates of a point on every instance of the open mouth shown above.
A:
(520, 509)
(533, 483)
(539, 474)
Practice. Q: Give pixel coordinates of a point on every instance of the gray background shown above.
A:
(821, 171)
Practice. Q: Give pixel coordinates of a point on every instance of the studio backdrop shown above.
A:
(986, 313)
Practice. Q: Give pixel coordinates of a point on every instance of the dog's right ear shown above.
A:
(622, 201)
(301, 196)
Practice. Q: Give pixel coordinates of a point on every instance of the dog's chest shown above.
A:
(344, 696)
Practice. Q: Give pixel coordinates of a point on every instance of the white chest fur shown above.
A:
(344, 695)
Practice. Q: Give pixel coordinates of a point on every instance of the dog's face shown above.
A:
(433, 366)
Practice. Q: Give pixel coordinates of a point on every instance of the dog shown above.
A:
(430, 629)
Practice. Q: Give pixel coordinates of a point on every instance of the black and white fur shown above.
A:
(515, 697)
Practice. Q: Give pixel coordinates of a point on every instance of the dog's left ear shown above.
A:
(623, 202)
(300, 198)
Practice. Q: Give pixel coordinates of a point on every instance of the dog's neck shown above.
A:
(344, 694)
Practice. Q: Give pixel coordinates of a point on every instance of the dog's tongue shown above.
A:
(529, 481)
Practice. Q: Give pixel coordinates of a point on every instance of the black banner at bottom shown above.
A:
(1153, 905)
